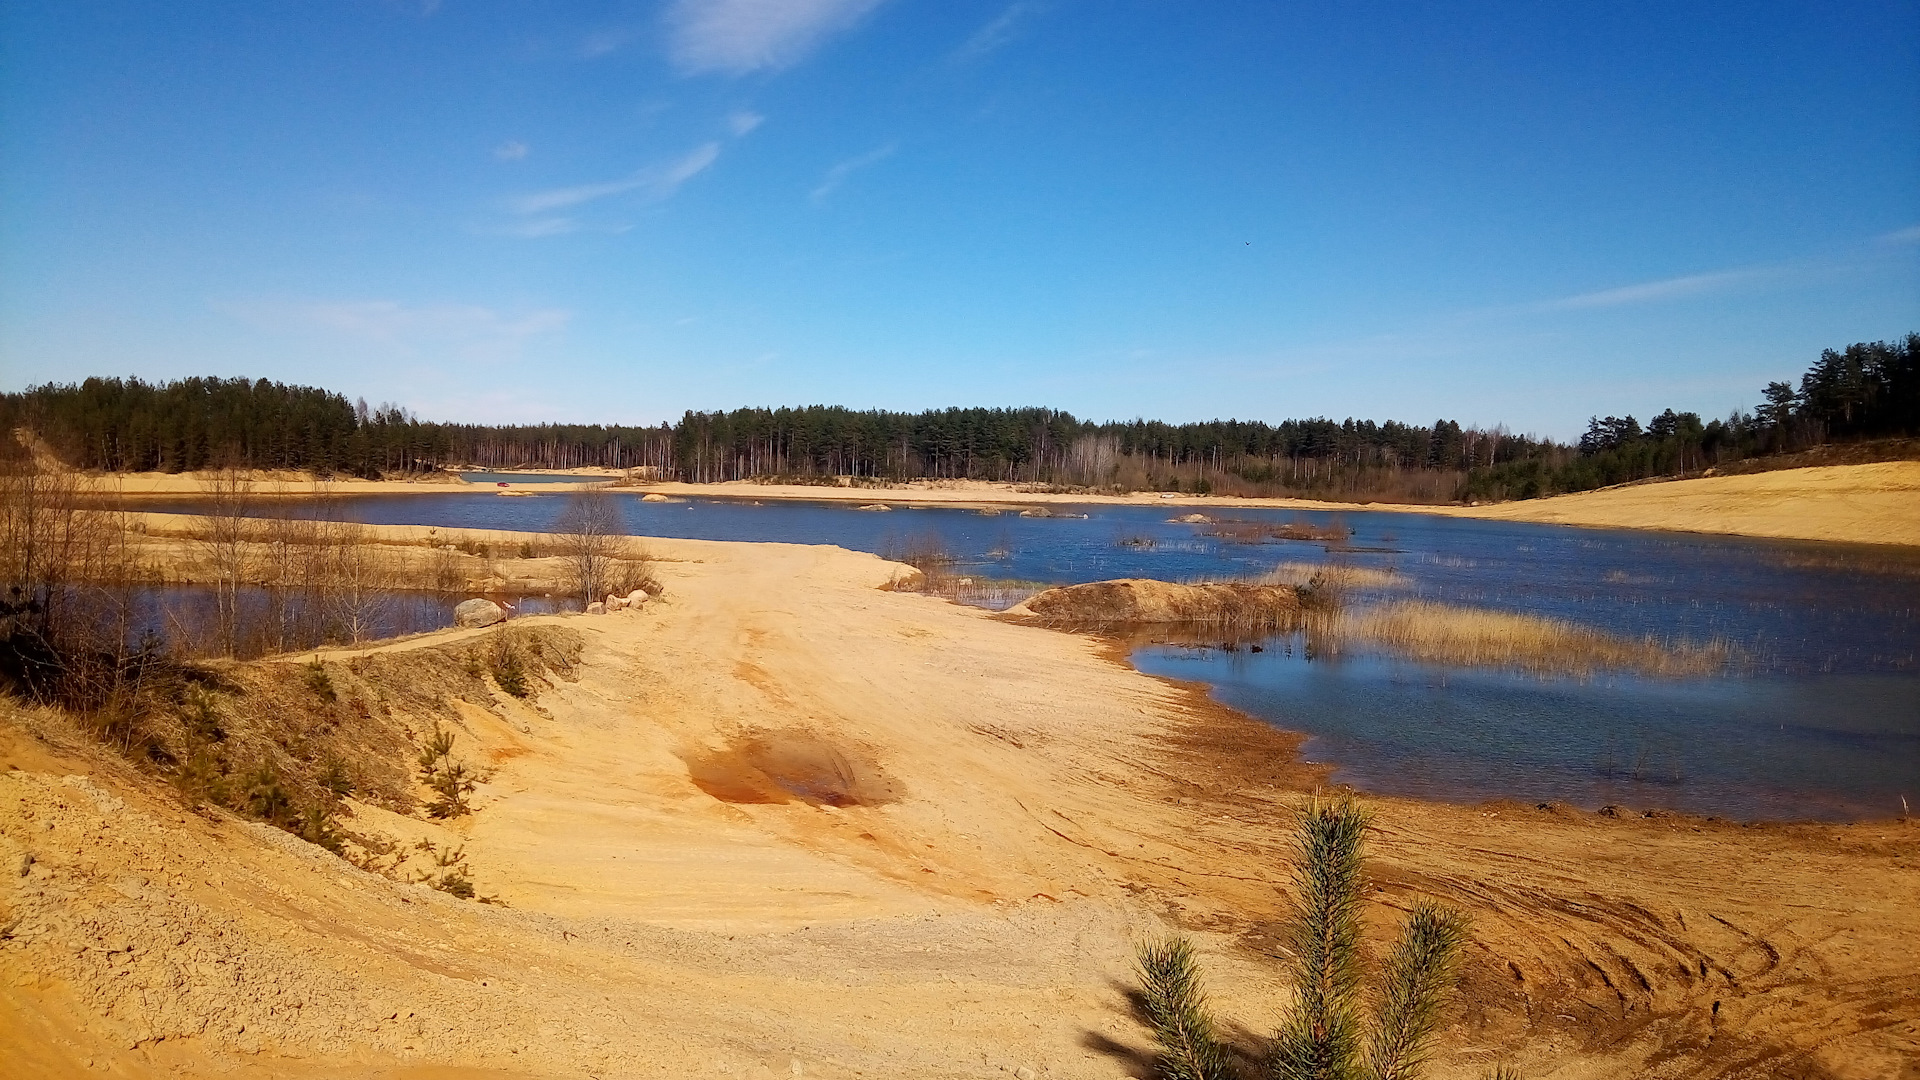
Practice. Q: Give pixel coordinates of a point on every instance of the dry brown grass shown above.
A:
(1340, 575)
(1444, 634)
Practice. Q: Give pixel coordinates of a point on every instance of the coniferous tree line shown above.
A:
(1867, 390)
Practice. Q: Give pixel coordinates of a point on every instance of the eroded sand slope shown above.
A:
(685, 899)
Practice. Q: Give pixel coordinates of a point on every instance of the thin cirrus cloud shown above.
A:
(1676, 288)
(998, 32)
(655, 183)
(839, 173)
(467, 330)
(511, 150)
(738, 37)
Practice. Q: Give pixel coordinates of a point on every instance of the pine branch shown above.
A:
(1419, 974)
(1176, 1007)
(1320, 1036)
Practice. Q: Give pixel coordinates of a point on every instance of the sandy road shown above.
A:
(1018, 809)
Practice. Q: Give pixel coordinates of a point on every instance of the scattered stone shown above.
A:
(654, 496)
(1036, 511)
(877, 507)
(637, 597)
(596, 608)
(478, 611)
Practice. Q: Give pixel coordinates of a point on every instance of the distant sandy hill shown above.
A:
(1863, 504)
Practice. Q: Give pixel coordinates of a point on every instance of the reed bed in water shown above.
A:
(1339, 575)
(1444, 634)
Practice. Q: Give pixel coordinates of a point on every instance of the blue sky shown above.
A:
(1519, 213)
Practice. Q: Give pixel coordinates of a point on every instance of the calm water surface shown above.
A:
(1818, 718)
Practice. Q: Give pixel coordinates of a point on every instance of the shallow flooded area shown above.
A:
(1815, 712)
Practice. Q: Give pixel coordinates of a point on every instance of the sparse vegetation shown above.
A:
(1442, 633)
(452, 781)
(1322, 1035)
(319, 681)
(507, 664)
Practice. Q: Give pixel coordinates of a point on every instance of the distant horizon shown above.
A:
(1499, 215)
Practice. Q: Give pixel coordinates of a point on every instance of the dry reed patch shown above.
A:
(1218, 607)
(1338, 575)
(1441, 633)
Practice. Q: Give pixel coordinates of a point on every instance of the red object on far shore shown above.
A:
(500, 483)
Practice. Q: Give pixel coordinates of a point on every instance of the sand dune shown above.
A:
(1861, 504)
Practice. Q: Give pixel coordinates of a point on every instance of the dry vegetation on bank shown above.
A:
(1469, 637)
(1320, 607)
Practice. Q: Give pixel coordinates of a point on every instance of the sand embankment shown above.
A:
(1016, 807)
(1860, 504)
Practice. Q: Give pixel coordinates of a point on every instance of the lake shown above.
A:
(1818, 716)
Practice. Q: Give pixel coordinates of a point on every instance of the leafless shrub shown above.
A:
(222, 533)
(589, 534)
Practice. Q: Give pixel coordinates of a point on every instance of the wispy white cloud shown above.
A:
(539, 227)
(1648, 292)
(459, 330)
(604, 43)
(655, 182)
(735, 37)
(839, 173)
(997, 32)
(1908, 235)
(511, 150)
(744, 121)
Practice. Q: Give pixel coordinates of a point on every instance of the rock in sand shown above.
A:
(477, 612)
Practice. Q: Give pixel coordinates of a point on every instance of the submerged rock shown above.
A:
(477, 612)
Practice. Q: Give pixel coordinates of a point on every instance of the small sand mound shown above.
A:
(784, 766)
(1133, 601)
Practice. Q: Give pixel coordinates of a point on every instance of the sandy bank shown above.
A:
(1860, 504)
(1865, 504)
(1027, 807)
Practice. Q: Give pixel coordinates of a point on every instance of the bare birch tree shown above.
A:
(358, 587)
(223, 542)
(589, 531)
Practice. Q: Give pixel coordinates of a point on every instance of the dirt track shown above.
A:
(1014, 807)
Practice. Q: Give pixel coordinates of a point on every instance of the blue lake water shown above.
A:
(1818, 717)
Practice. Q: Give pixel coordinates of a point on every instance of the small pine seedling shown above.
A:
(1176, 1007)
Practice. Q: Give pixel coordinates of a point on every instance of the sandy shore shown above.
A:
(1035, 807)
(1863, 504)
